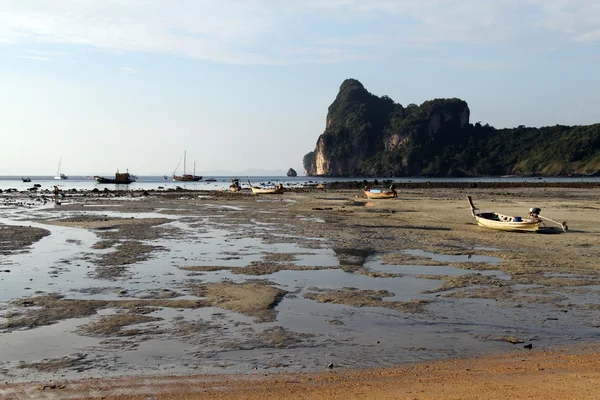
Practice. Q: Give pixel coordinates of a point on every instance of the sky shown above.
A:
(245, 84)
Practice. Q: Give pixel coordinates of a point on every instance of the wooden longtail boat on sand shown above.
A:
(373, 194)
(278, 189)
(493, 220)
(380, 192)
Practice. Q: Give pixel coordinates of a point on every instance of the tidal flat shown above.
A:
(216, 282)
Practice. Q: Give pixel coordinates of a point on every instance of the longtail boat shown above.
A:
(235, 185)
(278, 189)
(385, 193)
(493, 220)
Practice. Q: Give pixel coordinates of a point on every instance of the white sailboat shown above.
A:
(60, 175)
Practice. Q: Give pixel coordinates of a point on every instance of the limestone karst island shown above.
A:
(367, 135)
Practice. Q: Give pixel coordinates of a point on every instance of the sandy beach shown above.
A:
(310, 294)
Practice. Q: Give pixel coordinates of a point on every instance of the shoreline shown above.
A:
(533, 374)
(314, 188)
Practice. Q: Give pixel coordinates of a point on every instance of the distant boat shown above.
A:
(60, 175)
(120, 179)
(235, 185)
(210, 180)
(186, 177)
(26, 179)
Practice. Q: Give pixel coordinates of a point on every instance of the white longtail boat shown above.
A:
(493, 220)
(278, 189)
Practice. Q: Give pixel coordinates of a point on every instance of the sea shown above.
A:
(223, 182)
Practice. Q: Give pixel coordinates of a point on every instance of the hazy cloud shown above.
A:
(282, 32)
(46, 53)
(38, 58)
(129, 70)
(466, 63)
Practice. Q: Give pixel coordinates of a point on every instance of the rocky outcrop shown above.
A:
(292, 172)
(361, 126)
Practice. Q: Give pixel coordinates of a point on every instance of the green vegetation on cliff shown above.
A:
(368, 135)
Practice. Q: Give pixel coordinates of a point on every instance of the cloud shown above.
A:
(129, 70)
(38, 58)
(285, 32)
(467, 63)
(46, 53)
(41, 55)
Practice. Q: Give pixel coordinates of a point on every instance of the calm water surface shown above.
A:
(223, 182)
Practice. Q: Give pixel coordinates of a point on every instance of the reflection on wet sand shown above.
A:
(232, 284)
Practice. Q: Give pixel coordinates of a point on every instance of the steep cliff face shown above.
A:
(322, 163)
(361, 125)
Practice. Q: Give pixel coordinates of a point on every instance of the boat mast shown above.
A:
(194, 169)
(184, 162)
(58, 171)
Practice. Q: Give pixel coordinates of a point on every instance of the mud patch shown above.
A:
(278, 337)
(19, 238)
(129, 252)
(541, 278)
(407, 259)
(279, 257)
(190, 330)
(104, 222)
(501, 338)
(255, 298)
(77, 362)
(365, 298)
(112, 325)
(509, 294)
(160, 294)
(145, 229)
(46, 310)
(460, 281)
(256, 268)
(104, 244)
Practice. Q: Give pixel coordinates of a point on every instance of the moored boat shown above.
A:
(60, 175)
(235, 185)
(26, 179)
(381, 193)
(186, 177)
(275, 189)
(493, 220)
(123, 178)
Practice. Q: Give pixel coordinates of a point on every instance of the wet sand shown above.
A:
(536, 375)
(235, 283)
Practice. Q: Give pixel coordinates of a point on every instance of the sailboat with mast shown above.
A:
(186, 177)
(60, 175)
